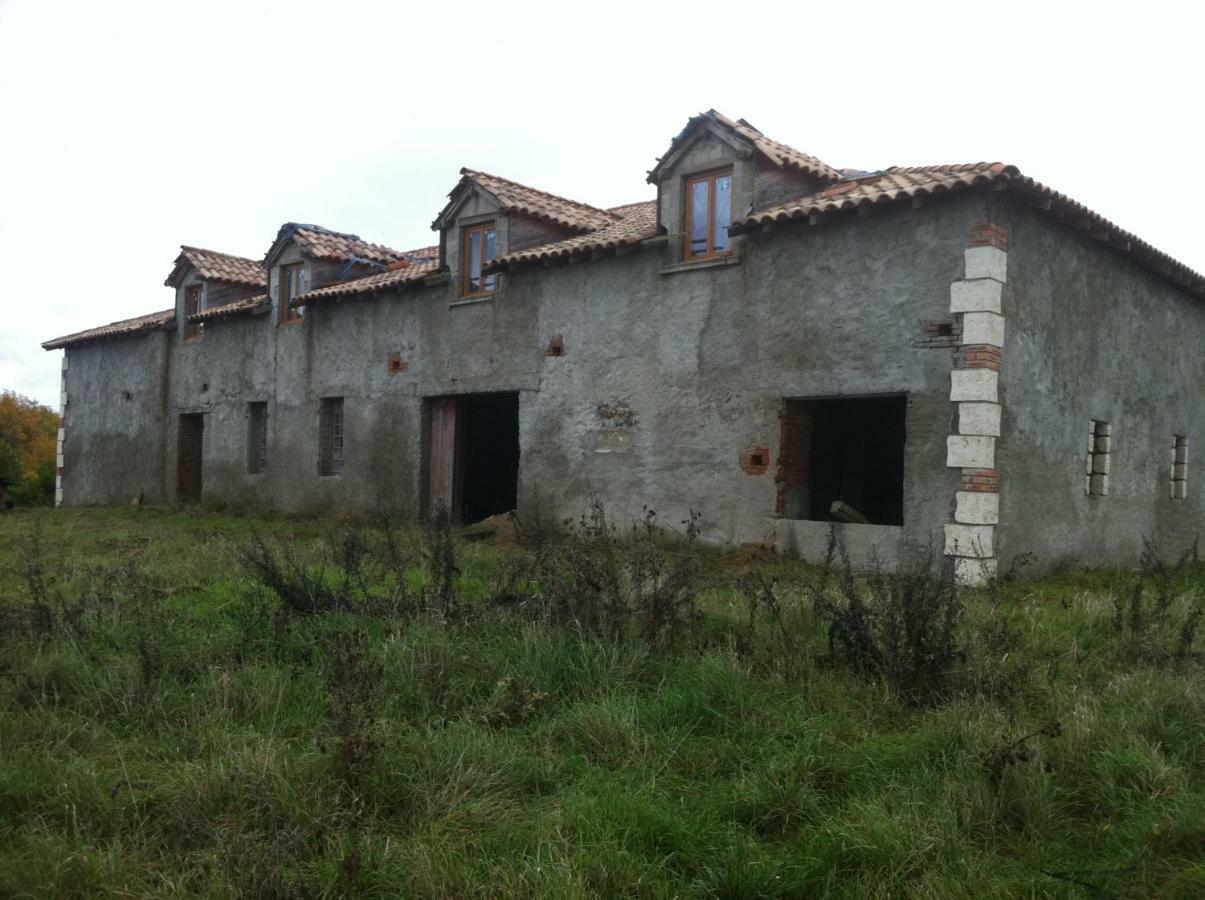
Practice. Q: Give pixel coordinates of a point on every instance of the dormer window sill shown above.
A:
(469, 301)
(694, 265)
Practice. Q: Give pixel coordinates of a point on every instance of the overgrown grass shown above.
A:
(435, 719)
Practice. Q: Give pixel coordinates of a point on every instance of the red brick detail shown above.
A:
(940, 334)
(982, 356)
(59, 471)
(794, 452)
(397, 365)
(756, 461)
(556, 347)
(982, 480)
(985, 234)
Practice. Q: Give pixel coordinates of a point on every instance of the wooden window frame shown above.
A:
(690, 181)
(331, 433)
(466, 259)
(257, 437)
(290, 315)
(193, 330)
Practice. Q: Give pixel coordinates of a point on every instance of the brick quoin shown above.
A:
(396, 364)
(985, 234)
(756, 461)
(985, 481)
(982, 356)
(794, 454)
(556, 347)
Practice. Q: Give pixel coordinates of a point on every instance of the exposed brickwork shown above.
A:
(983, 480)
(940, 334)
(756, 461)
(396, 364)
(794, 453)
(982, 356)
(985, 234)
(556, 347)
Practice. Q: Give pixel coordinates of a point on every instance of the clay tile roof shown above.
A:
(865, 189)
(631, 224)
(162, 319)
(515, 197)
(215, 266)
(415, 266)
(247, 304)
(323, 243)
(776, 152)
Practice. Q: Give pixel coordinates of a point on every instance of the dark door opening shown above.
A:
(189, 438)
(842, 459)
(474, 455)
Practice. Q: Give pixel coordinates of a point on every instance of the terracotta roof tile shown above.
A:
(515, 197)
(631, 224)
(392, 279)
(898, 184)
(776, 152)
(214, 266)
(247, 304)
(162, 319)
(322, 243)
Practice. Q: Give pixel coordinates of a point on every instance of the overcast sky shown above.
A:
(129, 128)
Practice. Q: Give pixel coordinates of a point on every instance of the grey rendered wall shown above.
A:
(113, 439)
(1090, 335)
(667, 378)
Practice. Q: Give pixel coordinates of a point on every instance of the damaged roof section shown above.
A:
(322, 243)
(125, 327)
(519, 198)
(632, 224)
(246, 305)
(395, 278)
(214, 266)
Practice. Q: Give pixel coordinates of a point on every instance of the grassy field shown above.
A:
(410, 715)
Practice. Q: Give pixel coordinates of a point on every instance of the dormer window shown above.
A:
(708, 214)
(290, 289)
(194, 299)
(477, 248)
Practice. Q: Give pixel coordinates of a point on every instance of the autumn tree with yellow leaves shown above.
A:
(28, 435)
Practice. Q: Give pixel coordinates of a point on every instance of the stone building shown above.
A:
(953, 355)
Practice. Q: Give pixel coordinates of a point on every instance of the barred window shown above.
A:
(1179, 481)
(257, 437)
(330, 436)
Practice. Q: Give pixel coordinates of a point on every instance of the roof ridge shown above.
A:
(465, 170)
(196, 249)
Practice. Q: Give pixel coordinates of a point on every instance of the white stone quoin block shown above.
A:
(980, 295)
(977, 508)
(974, 541)
(974, 572)
(983, 328)
(986, 262)
(968, 451)
(974, 384)
(979, 418)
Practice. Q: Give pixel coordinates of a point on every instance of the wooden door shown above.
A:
(443, 444)
(189, 439)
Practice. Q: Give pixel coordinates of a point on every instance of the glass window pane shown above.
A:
(699, 191)
(723, 213)
(490, 253)
(474, 261)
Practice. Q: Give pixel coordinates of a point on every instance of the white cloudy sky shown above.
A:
(128, 128)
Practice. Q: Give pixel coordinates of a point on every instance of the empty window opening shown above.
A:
(1096, 472)
(330, 436)
(257, 437)
(473, 455)
(194, 302)
(1179, 482)
(189, 441)
(842, 460)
